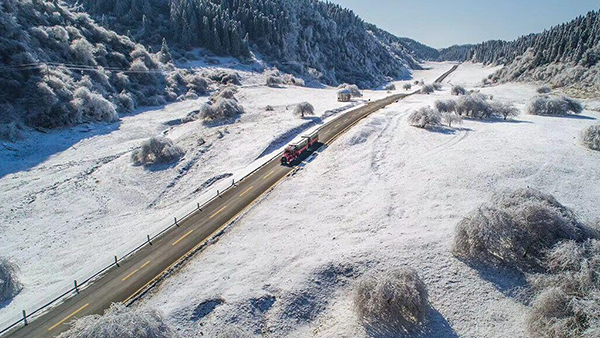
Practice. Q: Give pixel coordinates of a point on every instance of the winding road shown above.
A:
(134, 276)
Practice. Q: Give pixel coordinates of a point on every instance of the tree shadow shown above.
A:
(510, 282)
(436, 327)
(499, 120)
(447, 130)
(570, 116)
(221, 122)
(40, 145)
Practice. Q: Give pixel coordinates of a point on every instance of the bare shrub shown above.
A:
(459, 90)
(427, 89)
(505, 110)
(407, 86)
(548, 105)
(517, 228)
(120, 321)
(450, 118)
(394, 300)
(567, 303)
(591, 137)
(303, 109)
(156, 150)
(425, 117)
(92, 106)
(269, 108)
(445, 106)
(544, 90)
(10, 285)
(437, 86)
(390, 87)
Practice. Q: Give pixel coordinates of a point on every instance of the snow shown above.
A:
(384, 195)
(71, 199)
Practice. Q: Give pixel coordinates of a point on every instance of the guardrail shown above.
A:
(78, 286)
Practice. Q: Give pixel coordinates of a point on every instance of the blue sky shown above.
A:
(441, 23)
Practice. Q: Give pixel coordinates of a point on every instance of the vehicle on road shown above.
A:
(295, 150)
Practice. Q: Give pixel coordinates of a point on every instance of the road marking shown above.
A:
(269, 174)
(218, 212)
(337, 124)
(182, 237)
(153, 280)
(134, 271)
(68, 317)
(246, 191)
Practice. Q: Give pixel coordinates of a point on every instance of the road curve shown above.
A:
(153, 262)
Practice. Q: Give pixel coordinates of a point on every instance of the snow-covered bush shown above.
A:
(445, 106)
(549, 105)
(407, 86)
(10, 285)
(303, 109)
(156, 150)
(591, 137)
(450, 118)
(224, 93)
(274, 81)
(437, 86)
(505, 110)
(197, 83)
(425, 117)
(395, 300)
(474, 105)
(231, 79)
(354, 90)
(293, 81)
(427, 89)
(567, 301)
(517, 228)
(126, 101)
(221, 109)
(120, 321)
(544, 90)
(458, 90)
(93, 107)
(390, 87)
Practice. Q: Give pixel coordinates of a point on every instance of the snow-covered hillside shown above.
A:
(384, 195)
(71, 198)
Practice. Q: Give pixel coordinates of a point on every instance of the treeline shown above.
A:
(315, 38)
(565, 56)
(424, 52)
(576, 42)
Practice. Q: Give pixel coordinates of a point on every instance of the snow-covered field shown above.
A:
(71, 199)
(384, 195)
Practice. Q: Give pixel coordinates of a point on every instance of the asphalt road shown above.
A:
(134, 275)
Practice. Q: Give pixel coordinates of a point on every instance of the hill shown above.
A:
(309, 37)
(60, 68)
(566, 56)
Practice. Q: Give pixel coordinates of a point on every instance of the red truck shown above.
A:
(294, 150)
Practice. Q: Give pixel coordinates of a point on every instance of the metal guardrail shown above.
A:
(78, 286)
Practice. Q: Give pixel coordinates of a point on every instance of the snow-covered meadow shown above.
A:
(384, 195)
(71, 198)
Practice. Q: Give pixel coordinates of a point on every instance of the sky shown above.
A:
(442, 23)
